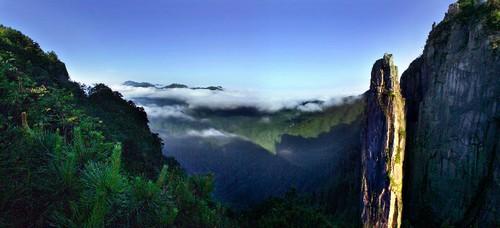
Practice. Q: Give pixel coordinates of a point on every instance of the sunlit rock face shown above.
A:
(452, 174)
(383, 142)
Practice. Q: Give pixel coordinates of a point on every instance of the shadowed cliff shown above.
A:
(451, 92)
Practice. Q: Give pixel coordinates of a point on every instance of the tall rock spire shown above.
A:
(383, 148)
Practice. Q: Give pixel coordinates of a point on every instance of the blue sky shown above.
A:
(272, 44)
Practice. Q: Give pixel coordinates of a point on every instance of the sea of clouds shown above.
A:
(265, 101)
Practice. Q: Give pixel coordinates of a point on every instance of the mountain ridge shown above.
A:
(170, 86)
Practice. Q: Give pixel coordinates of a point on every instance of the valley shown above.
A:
(260, 153)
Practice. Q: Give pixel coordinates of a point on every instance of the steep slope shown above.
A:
(287, 122)
(242, 168)
(126, 123)
(452, 92)
(382, 150)
(122, 121)
(265, 129)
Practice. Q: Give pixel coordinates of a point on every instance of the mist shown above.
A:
(227, 99)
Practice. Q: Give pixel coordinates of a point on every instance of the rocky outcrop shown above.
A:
(452, 171)
(383, 148)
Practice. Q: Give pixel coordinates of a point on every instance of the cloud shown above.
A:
(310, 107)
(265, 119)
(267, 101)
(176, 111)
(208, 133)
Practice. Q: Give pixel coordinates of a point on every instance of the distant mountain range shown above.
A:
(171, 86)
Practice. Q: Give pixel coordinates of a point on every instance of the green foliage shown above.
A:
(290, 211)
(267, 131)
(307, 125)
(162, 177)
(466, 4)
(73, 165)
(493, 19)
(127, 123)
(471, 12)
(490, 11)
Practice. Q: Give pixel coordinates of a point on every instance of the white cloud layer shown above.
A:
(310, 107)
(176, 111)
(228, 99)
(208, 133)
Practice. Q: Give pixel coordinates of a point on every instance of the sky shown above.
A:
(278, 45)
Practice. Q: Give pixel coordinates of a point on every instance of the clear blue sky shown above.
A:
(271, 44)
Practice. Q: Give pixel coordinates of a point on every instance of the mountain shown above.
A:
(138, 84)
(175, 86)
(450, 124)
(421, 151)
(214, 88)
(171, 86)
(453, 118)
(427, 146)
(77, 159)
(243, 168)
(263, 128)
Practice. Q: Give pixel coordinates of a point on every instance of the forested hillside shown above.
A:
(76, 156)
(74, 159)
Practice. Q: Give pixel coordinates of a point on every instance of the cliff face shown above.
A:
(383, 148)
(452, 171)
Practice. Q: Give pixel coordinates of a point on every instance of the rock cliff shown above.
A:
(450, 97)
(383, 148)
(452, 171)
